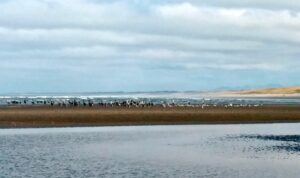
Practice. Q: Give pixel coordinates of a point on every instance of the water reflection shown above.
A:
(283, 138)
(152, 151)
(288, 143)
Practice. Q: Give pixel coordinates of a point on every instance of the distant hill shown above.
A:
(285, 90)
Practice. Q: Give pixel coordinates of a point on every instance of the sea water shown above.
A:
(258, 150)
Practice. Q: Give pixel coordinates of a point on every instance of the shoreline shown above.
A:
(44, 116)
(148, 124)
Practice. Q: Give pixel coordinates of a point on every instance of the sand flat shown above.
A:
(15, 117)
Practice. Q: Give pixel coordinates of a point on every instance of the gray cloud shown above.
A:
(191, 36)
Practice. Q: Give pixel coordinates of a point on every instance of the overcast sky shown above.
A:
(148, 45)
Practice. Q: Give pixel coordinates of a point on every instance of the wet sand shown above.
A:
(46, 116)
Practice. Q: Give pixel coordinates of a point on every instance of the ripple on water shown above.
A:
(179, 151)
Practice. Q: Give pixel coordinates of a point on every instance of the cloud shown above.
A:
(249, 66)
(141, 36)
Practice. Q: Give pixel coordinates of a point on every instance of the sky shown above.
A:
(148, 45)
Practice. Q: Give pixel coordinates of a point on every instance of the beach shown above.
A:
(47, 116)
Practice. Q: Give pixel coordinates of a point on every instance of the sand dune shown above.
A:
(285, 90)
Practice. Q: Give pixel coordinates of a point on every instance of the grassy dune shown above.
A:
(61, 117)
(286, 90)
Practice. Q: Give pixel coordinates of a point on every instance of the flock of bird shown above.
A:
(121, 103)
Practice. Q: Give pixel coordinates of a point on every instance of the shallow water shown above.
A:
(258, 150)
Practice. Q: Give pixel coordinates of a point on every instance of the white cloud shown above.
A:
(219, 35)
(238, 17)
